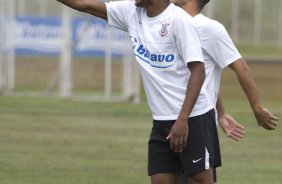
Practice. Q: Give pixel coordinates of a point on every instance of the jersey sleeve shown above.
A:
(219, 45)
(118, 14)
(187, 39)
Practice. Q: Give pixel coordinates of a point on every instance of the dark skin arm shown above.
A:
(263, 116)
(93, 7)
(178, 134)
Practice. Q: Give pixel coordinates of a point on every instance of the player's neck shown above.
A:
(191, 8)
(156, 7)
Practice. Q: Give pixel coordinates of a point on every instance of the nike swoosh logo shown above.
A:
(195, 161)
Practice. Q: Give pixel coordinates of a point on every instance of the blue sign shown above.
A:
(44, 36)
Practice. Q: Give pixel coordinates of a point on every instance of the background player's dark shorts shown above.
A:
(202, 152)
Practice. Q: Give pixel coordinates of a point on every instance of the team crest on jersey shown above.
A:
(164, 30)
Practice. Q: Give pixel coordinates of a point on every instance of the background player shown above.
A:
(220, 52)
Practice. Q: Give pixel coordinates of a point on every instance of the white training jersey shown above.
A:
(218, 50)
(163, 45)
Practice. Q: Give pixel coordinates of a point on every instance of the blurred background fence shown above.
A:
(47, 49)
(254, 23)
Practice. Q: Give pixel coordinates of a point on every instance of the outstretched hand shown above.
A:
(231, 127)
(265, 118)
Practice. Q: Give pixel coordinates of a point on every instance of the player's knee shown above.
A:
(165, 178)
(199, 181)
(205, 177)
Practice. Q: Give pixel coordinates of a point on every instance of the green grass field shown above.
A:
(62, 141)
(54, 141)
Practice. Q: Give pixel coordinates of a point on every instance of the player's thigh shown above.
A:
(182, 179)
(164, 178)
(205, 177)
(161, 159)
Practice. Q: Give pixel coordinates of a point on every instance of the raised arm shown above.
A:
(93, 7)
(263, 116)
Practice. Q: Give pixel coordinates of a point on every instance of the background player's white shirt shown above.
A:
(218, 50)
(163, 45)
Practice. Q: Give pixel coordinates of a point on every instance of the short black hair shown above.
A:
(202, 3)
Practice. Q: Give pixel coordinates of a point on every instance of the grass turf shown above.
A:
(68, 142)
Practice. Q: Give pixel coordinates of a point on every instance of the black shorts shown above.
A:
(201, 153)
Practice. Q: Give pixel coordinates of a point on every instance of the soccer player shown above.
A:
(167, 47)
(220, 52)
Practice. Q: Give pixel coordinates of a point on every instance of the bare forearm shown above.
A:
(247, 82)
(263, 116)
(94, 7)
(195, 83)
(220, 106)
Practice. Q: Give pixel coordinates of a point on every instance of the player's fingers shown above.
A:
(274, 118)
(176, 144)
(265, 126)
(185, 140)
(268, 124)
(168, 137)
(238, 126)
(234, 137)
(240, 131)
(271, 124)
(171, 142)
(180, 145)
(238, 135)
